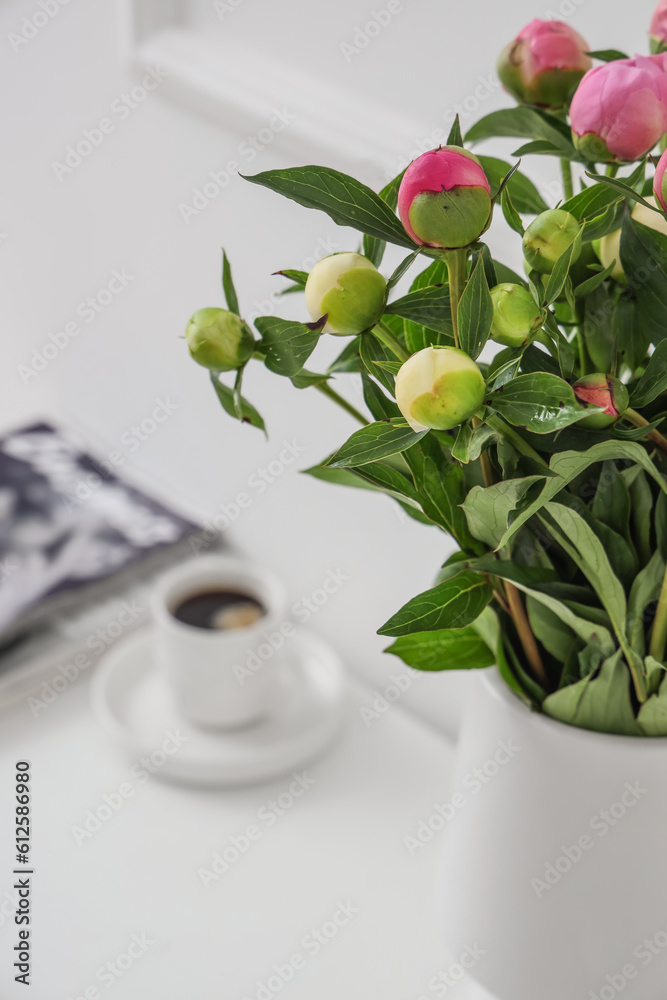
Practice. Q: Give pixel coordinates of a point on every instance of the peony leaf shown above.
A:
(524, 123)
(446, 649)
(374, 442)
(455, 603)
(654, 380)
(601, 703)
(568, 465)
(249, 414)
(228, 286)
(525, 196)
(345, 200)
(475, 312)
(542, 403)
(427, 306)
(288, 345)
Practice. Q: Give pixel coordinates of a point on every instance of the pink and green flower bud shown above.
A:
(219, 340)
(609, 247)
(516, 317)
(619, 111)
(660, 182)
(658, 30)
(606, 392)
(544, 64)
(349, 291)
(547, 238)
(445, 199)
(439, 388)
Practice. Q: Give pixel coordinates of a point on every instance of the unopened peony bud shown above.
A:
(548, 237)
(609, 247)
(660, 182)
(516, 317)
(349, 290)
(445, 199)
(544, 64)
(658, 29)
(605, 391)
(219, 340)
(439, 388)
(619, 111)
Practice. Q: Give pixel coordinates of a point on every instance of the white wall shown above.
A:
(120, 210)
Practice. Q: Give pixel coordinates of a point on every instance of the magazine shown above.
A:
(76, 540)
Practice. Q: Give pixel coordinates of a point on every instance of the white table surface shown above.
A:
(342, 841)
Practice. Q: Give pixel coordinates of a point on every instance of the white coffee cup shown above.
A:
(207, 668)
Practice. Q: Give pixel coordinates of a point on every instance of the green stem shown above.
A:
(514, 438)
(583, 356)
(612, 169)
(326, 390)
(659, 632)
(330, 393)
(236, 397)
(484, 460)
(386, 337)
(457, 268)
(566, 172)
(526, 636)
(512, 602)
(638, 421)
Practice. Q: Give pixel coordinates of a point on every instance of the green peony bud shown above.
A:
(219, 340)
(547, 237)
(439, 388)
(349, 290)
(516, 317)
(605, 391)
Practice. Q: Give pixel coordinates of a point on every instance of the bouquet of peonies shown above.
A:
(545, 461)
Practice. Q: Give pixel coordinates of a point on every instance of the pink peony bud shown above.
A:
(604, 391)
(658, 29)
(445, 199)
(660, 182)
(619, 111)
(544, 64)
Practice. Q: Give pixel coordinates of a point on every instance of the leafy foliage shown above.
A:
(376, 441)
(287, 345)
(560, 519)
(226, 396)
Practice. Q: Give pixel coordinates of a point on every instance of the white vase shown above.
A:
(554, 871)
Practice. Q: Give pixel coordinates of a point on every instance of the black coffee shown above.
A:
(219, 609)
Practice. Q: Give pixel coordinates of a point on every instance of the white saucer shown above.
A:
(132, 701)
